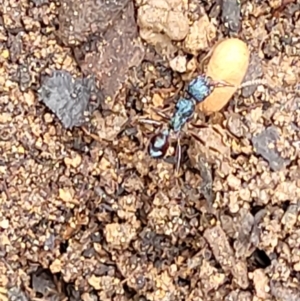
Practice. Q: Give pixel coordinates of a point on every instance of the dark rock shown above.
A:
(231, 15)
(66, 97)
(262, 143)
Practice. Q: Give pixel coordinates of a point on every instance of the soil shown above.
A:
(85, 212)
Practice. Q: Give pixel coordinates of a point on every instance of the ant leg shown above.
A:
(220, 83)
(150, 121)
(133, 121)
(178, 157)
(95, 136)
(196, 136)
(198, 126)
(138, 119)
(202, 141)
(161, 113)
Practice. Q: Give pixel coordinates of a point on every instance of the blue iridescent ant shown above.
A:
(197, 91)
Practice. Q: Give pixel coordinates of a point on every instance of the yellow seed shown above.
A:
(5, 54)
(229, 62)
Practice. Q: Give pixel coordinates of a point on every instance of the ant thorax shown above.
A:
(184, 111)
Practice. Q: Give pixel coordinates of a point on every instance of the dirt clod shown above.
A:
(78, 21)
(116, 53)
(224, 254)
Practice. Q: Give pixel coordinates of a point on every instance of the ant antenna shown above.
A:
(253, 82)
(295, 88)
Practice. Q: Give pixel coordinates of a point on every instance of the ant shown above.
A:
(197, 91)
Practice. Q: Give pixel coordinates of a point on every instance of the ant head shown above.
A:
(200, 87)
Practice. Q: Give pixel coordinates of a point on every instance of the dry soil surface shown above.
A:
(85, 212)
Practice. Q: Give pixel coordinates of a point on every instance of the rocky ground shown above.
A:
(85, 212)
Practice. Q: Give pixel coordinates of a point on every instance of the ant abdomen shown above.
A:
(159, 144)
